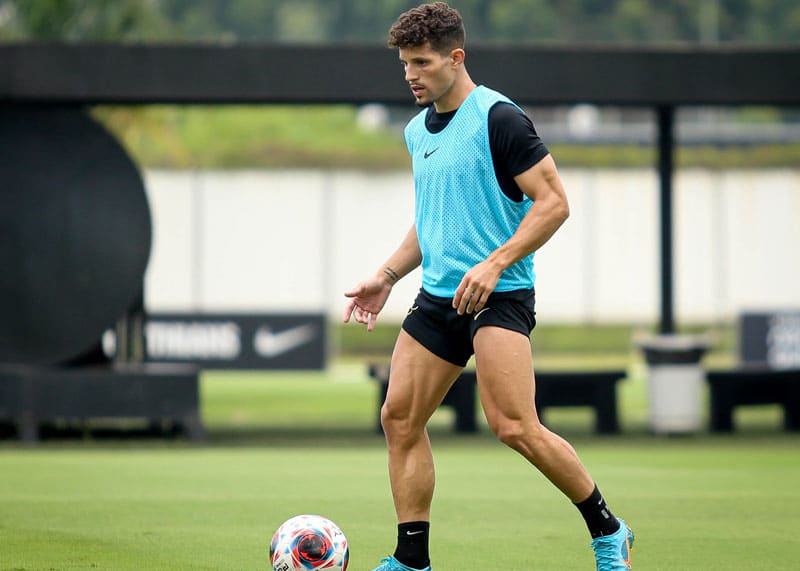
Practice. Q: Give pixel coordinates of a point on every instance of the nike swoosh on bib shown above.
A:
(269, 343)
(427, 154)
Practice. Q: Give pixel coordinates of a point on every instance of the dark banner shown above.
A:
(770, 339)
(237, 341)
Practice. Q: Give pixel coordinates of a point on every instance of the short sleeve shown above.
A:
(515, 144)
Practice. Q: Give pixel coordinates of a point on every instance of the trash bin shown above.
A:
(675, 381)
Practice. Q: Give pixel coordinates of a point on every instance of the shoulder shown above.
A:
(513, 139)
(506, 120)
(506, 112)
(485, 98)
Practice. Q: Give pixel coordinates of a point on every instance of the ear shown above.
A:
(457, 56)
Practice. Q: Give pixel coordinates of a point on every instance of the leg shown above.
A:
(417, 384)
(506, 388)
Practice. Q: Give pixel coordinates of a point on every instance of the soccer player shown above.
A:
(488, 195)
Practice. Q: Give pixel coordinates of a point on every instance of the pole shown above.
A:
(666, 148)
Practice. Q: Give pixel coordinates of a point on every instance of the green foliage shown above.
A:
(79, 20)
(259, 136)
(323, 137)
(498, 21)
(603, 156)
(733, 157)
(284, 136)
(700, 156)
(317, 137)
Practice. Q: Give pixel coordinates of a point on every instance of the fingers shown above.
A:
(469, 300)
(352, 303)
(366, 317)
(348, 310)
(360, 315)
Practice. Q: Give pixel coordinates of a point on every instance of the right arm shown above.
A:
(369, 296)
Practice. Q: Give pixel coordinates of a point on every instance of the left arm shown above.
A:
(542, 184)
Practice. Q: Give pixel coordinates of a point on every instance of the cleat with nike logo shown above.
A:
(613, 552)
(392, 564)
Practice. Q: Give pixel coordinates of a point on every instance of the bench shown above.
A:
(158, 393)
(750, 386)
(596, 389)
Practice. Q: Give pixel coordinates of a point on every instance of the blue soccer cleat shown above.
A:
(392, 564)
(613, 552)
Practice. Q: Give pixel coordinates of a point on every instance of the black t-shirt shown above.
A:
(513, 141)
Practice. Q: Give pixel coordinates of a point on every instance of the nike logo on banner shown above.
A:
(269, 343)
(427, 154)
(477, 315)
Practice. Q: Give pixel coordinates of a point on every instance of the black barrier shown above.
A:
(75, 233)
(235, 341)
(75, 237)
(247, 72)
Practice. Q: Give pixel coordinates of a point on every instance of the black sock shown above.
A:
(412, 544)
(599, 518)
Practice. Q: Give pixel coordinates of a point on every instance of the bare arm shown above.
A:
(542, 184)
(369, 296)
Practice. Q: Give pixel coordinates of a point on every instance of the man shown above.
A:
(488, 195)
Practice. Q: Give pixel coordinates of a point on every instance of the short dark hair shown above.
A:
(437, 24)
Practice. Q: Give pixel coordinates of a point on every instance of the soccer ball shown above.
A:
(308, 542)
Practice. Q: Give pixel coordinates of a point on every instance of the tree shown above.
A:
(497, 21)
(92, 20)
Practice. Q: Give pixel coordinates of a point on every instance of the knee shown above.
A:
(517, 434)
(398, 425)
(391, 422)
(510, 433)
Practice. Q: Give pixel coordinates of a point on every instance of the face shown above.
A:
(430, 74)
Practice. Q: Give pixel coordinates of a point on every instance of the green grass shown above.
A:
(711, 503)
(287, 443)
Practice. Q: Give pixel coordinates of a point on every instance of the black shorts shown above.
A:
(434, 322)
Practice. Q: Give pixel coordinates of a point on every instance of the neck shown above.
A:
(453, 99)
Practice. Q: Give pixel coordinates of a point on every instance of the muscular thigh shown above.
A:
(505, 373)
(418, 380)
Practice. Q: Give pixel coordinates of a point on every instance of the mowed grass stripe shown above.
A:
(696, 503)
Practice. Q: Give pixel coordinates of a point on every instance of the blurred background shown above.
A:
(275, 209)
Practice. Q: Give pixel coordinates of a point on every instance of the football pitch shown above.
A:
(279, 449)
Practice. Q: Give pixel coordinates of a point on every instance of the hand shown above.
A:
(475, 288)
(368, 298)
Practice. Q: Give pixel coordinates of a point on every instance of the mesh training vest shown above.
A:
(462, 215)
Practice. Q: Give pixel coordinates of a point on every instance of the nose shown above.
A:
(411, 75)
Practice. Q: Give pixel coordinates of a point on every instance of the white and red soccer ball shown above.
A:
(307, 542)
